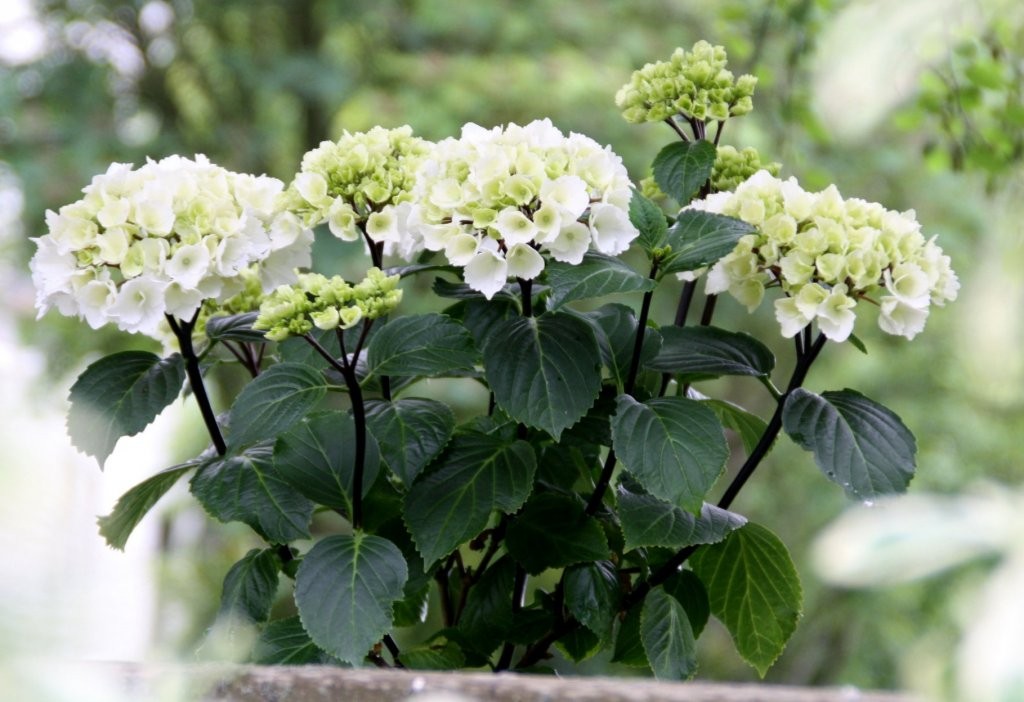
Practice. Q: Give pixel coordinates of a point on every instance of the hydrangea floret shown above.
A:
(360, 186)
(694, 84)
(733, 166)
(159, 240)
(495, 201)
(827, 254)
(326, 303)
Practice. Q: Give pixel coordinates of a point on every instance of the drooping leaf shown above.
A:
(119, 395)
(748, 426)
(446, 656)
(478, 474)
(236, 327)
(667, 637)
(711, 352)
(596, 275)
(285, 642)
(649, 521)
(754, 590)
(616, 337)
(544, 371)
(410, 433)
(552, 531)
(274, 401)
(687, 588)
(345, 590)
(592, 593)
(317, 457)
(249, 587)
(681, 168)
(649, 221)
(427, 345)
(700, 238)
(247, 487)
(132, 506)
(674, 446)
(857, 443)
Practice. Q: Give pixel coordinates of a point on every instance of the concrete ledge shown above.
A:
(210, 683)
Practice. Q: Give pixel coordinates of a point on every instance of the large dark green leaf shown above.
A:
(682, 167)
(667, 637)
(250, 587)
(273, 402)
(132, 506)
(345, 590)
(594, 276)
(649, 221)
(317, 457)
(544, 371)
(686, 587)
(552, 531)
(247, 488)
(422, 345)
(700, 238)
(119, 395)
(710, 351)
(285, 642)
(478, 474)
(479, 315)
(857, 443)
(410, 433)
(592, 595)
(616, 337)
(649, 521)
(754, 590)
(674, 446)
(237, 327)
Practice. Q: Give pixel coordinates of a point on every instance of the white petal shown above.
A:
(486, 273)
(524, 262)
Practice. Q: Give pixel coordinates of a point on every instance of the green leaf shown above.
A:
(857, 443)
(748, 426)
(237, 327)
(285, 642)
(615, 326)
(681, 168)
(754, 590)
(700, 238)
(480, 315)
(711, 352)
(248, 488)
(579, 644)
(649, 220)
(132, 506)
(629, 650)
(552, 531)
(667, 637)
(596, 275)
(649, 521)
(410, 432)
(487, 618)
(461, 291)
(674, 446)
(446, 656)
(119, 395)
(250, 587)
(422, 345)
(592, 595)
(345, 589)
(273, 402)
(687, 588)
(544, 371)
(478, 474)
(413, 269)
(317, 457)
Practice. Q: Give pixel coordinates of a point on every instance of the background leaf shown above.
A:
(544, 371)
(427, 345)
(596, 275)
(754, 590)
(552, 531)
(273, 402)
(616, 337)
(285, 642)
(132, 506)
(688, 589)
(700, 238)
(681, 168)
(857, 443)
(119, 395)
(748, 426)
(410, 433)
(674, 446)
(667, 637)
(345, 589)
(649, 521)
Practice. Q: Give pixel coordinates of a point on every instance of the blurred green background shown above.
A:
(915, 104)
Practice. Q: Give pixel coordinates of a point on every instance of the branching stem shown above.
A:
(183, 331)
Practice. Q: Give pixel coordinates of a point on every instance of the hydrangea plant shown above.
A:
(596, 460)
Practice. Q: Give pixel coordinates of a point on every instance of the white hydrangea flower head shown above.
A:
(361, 184)
(827, 254)
(499, 201)
(162, 239)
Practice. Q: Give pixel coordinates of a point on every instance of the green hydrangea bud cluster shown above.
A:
(361, 182)
(326, 303)
(733, 166)
(694, 84)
